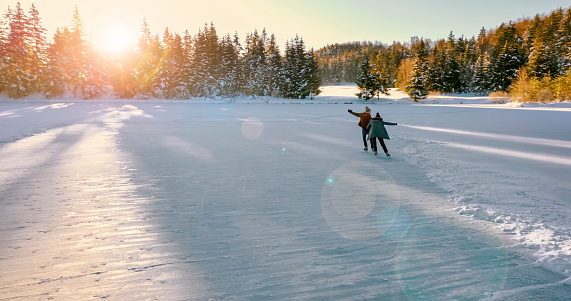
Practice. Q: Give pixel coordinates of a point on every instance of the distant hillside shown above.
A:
(491, 61)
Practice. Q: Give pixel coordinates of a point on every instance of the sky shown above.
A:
(318, 22)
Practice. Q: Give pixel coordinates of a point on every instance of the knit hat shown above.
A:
(377, 116)
(367, 109)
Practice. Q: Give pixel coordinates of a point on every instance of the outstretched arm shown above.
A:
(356, 114)
(389, 123)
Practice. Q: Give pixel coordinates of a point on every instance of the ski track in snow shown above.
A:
(225, 201)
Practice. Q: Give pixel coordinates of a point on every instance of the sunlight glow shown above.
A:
(115, 33)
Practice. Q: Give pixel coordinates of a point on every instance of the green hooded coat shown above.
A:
(377, 128)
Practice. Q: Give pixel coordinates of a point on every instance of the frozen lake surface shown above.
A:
(233, 201)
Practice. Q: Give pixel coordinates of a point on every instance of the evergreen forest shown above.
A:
(529, 59)
(171, 66)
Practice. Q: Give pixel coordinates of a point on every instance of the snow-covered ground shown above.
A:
(256, 199)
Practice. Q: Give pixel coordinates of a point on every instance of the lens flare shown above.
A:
(353, 197)
(252, 128)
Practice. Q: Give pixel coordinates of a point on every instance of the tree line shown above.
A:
(173, 66)
(529, 58)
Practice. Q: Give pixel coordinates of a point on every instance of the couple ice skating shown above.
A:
(374, 127)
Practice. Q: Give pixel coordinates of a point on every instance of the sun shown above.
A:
(117, 38)
(114, 35)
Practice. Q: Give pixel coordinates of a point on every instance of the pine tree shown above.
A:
(416, 88)
(312, 76)
(256, 71)
(381, 68)
(204, 64)
(166, 78)
(177, 64)
(481, 80)
(261, 72)
(3, 55)
(367, 82)
(58, 61)
(186, 72)
(228, 67)
(539, 58)
(85, 76)
(240, 78)
(146, 65)
(564, 43)
(156, 79)
(507, 57)
(450, 77)
(96, 78)
(38, 51)
(78, 68)
(274, 62)
(213, 62)
(295, 73)
(17, 61)
(543, 56)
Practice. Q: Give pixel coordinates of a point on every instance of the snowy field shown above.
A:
(254, 199)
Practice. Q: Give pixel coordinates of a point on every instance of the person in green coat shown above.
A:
(377, 130)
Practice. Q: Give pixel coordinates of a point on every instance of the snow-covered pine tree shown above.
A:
(288, 68)
(38, 51)
(445, 68)
(507, 57)
(187, 50)
(57, 65)
(227, 65)
(367, 82)
(96, 78)
(274, 62)
(381, 67)
(256, 68)
(198, 66)
(483, 42)
(146, 64)
(297, 75)
(178, 63)
(239, 77)
(4, 30)
(436, 67)
(552, 26)
(77, 70)
(83, 71)
(396, 54)
(213, 61)
(416, 88)
(312, 75)
(167, 77)
(467, 57)
(157, 77)
(451, 78)
(564, 43)
(17, 74)
(261, 82)
(205, 63)
(538, 64)
(481, 80)
(543, 57)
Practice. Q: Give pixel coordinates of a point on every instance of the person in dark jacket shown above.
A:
(364, 119)
(377, 130)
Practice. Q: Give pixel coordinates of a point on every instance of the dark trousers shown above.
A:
(365, 133)
(381, 141)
